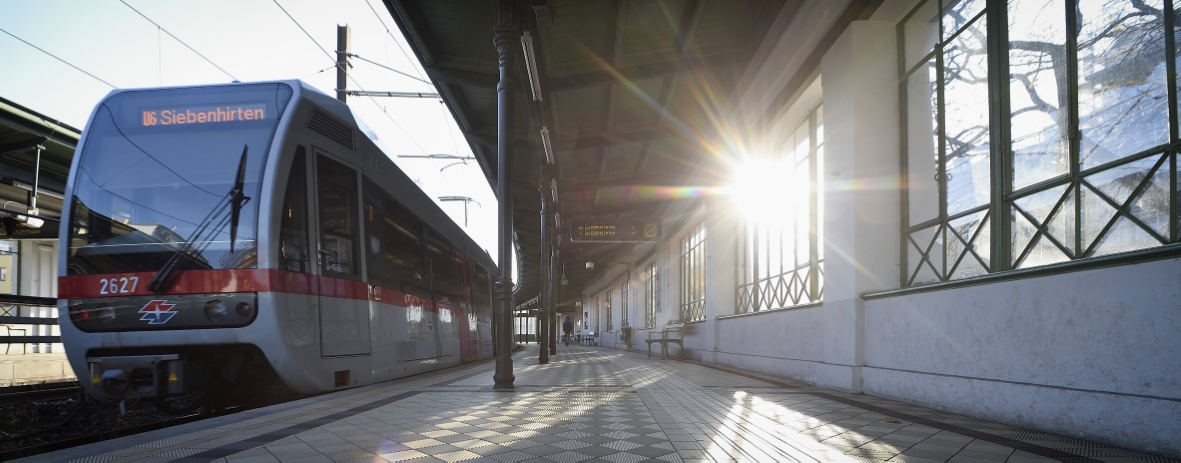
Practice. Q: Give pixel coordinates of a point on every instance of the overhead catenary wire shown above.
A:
(354, 55)
(305, 31)
(396, 42)
(350, 76)
(67, 63)
(317, 72)
(182, 42)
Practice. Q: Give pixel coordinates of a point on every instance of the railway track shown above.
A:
(70, 423)
(37, 449)
(44, 391)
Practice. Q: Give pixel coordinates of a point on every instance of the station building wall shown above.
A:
(31, 271)
(1087, 350)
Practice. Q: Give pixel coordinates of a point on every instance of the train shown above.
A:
(229, 241)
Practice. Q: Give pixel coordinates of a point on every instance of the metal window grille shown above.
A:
(780, 257)
(1060, 145)
(693, 275)
(624, 289)
(651, 299)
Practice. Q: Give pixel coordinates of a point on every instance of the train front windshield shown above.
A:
(154, 175)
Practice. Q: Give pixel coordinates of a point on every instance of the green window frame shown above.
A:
(651, 279)
(693, 275)
(1035, 132)
(610, 325)
(780, 261)
(624, 289)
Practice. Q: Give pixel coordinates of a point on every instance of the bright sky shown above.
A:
(253, 40)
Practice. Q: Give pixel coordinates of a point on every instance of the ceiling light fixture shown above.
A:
(531, 65)
(547, 146)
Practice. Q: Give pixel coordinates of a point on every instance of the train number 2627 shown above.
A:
(121, 285)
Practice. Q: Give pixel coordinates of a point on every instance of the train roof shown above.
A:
(409, 193)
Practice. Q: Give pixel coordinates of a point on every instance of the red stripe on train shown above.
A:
(217, 281)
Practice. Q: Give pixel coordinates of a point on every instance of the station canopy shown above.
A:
(22, 130)
(631, 92)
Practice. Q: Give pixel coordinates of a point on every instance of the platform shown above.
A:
(594, 404)
(19, 370)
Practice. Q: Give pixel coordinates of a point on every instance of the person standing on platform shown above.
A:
(567, 328)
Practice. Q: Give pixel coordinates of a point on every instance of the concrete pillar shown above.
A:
(721, 279)
(861, 223)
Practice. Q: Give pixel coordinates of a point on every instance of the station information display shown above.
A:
(614, 231)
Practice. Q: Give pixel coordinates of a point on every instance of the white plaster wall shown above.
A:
(37, 276)
(788, 54)
(1095, 354)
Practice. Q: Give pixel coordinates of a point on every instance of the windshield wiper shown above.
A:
(235, 199)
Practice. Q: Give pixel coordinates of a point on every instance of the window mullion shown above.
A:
(941, 150)
(1002, 175)
(1075, 135)
(756, 289)
(903, 164)
(813, 214)
(1171, 71)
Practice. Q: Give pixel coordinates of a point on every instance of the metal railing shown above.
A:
(10, 305)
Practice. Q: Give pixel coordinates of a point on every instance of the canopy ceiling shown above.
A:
(631, 89)
(21, 131)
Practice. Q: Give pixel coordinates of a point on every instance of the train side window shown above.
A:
(394, 248)
(482, 293)
(338, 218)
(293, 225)
(444, 271)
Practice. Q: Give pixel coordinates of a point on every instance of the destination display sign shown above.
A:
(203, 114)
(614, 231)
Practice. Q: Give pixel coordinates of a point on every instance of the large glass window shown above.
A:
(624, 289)
(155, 174)
(651, 300)
(693, 275)
(1073, 115)
(293, 219)
(338, 217)
(779, 256)
(444, 272)
(395, 251)
(610, 325)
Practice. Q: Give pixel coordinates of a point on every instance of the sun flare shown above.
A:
(761, 190)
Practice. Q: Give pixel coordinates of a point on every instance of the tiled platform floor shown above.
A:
(593, 404)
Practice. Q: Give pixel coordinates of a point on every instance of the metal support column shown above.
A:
(505, 40)
(543, 308)
(343, 36)
(553, 295)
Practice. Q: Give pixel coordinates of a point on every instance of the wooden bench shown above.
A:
(673, 332)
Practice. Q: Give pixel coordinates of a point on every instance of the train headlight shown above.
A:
(215, 310)
(244, 309)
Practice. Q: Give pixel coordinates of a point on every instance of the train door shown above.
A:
(468, 341)
(482, 300)
(344, 306)
(445, 291)
(299, 311)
